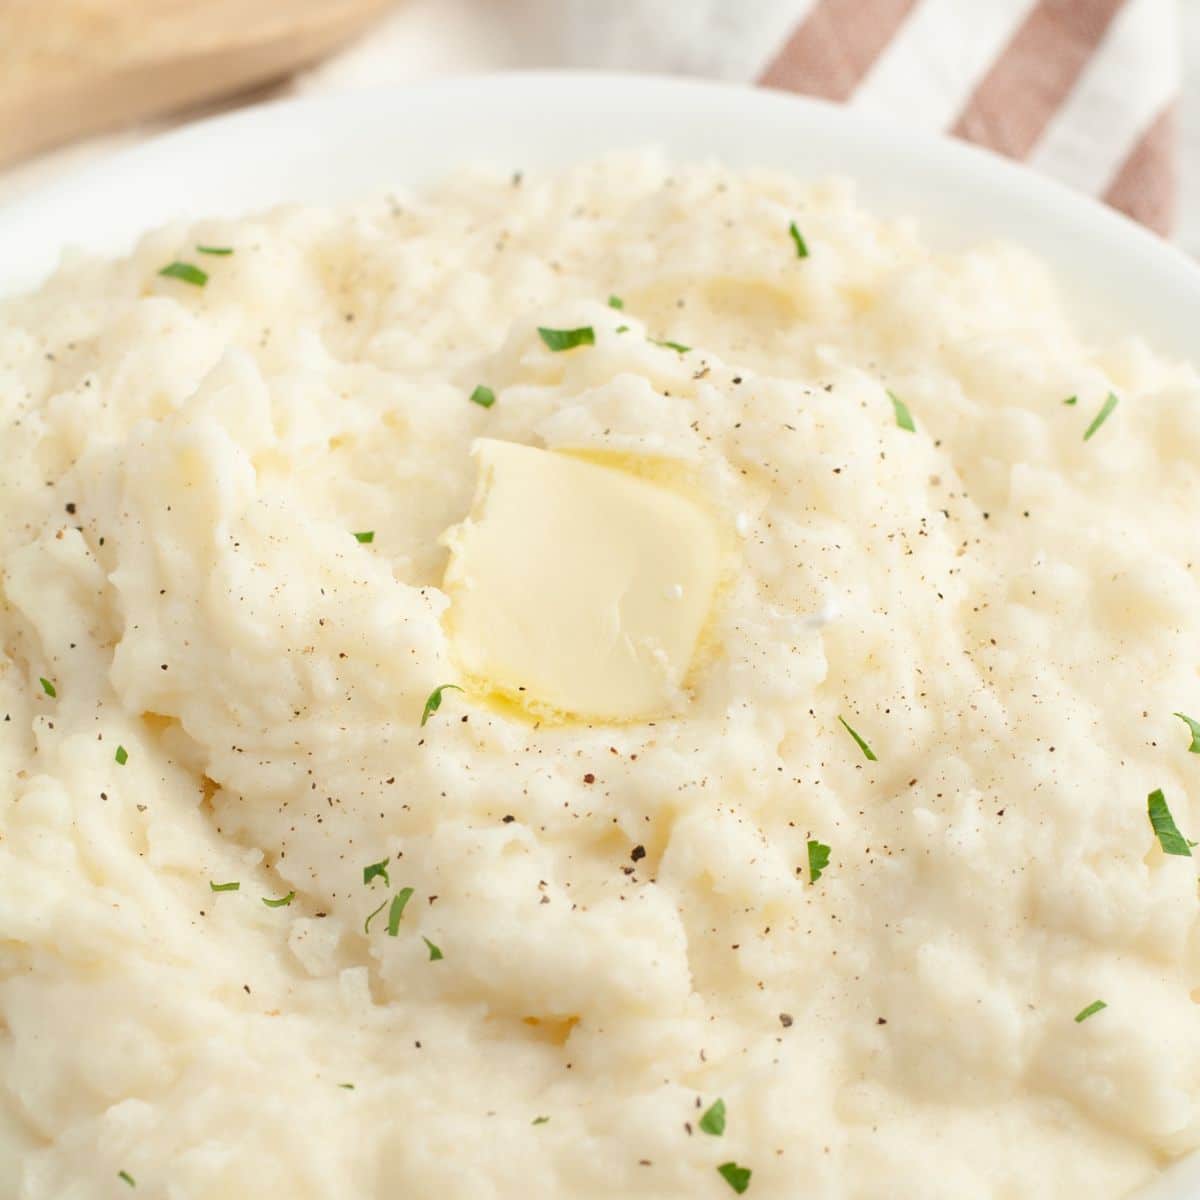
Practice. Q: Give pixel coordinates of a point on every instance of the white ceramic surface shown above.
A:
(332, 148)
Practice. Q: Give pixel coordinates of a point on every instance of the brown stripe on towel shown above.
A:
(835, 46)
(1144, 186)
(1034, 74)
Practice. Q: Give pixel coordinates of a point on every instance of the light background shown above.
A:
(731, 39)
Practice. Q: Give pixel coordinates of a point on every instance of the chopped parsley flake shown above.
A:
(678, 347)
(122, 756)
(615, 302)
(223, 251)
(348, 1086)
(483, 396)
(48, 687)
(567, 339)
(798, 240)
(1169, 837)
(435, 700)
(282, 902)
(1071, 401)
(903, 416)
(622, 328)
(713, 1120)
(372, 916)
(224, 887)
(1194, 726)
(737, 1177)
(186, 272)
(399, 900)
(818, 860)
(867, 751)
(435, 952)
(1105, 412)
(366, 537)
(1091, 1010)
(540, 1120)
(129, 1179)
(377, 871)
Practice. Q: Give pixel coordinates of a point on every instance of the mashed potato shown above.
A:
(207, 680)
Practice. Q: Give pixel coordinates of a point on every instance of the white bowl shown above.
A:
(1119, 278)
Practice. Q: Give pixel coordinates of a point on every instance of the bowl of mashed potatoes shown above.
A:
(578, 669)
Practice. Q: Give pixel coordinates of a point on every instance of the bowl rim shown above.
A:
(1115, 266)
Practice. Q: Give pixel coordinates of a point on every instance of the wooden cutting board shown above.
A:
(73, 67)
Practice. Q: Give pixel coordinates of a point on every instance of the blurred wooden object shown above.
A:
(73, 67)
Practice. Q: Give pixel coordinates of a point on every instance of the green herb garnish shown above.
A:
(1105, 412)
(798, 240)
(221, 250)
(129, 1179)
(282, 902)
(903, 416)
(122, 756)
(435, 952)
(483, 396)
(372, 916)
(366, 537)
(567, 339)
(48, 687)
(185, 271)
(1194, 726)
(713, 1120)
(435, 700)
(867, 751)
(818, 858)
(1071, 401)
(348, 1086)
(399, 900)
(1169, 837)
(737, 1177)
(1091, 1010)
(622, 328)
(377, 871)
(224, 887)
(678, 347)
(615, 302)
(539, 1120)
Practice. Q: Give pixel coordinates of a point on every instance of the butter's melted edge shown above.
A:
(682, 478)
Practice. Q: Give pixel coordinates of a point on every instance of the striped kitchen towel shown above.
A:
(1083, 90)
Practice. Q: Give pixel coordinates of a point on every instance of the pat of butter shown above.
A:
(578, 587)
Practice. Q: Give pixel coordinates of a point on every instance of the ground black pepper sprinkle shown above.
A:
(638, 853)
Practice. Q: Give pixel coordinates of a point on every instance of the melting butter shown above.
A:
(579, 586)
